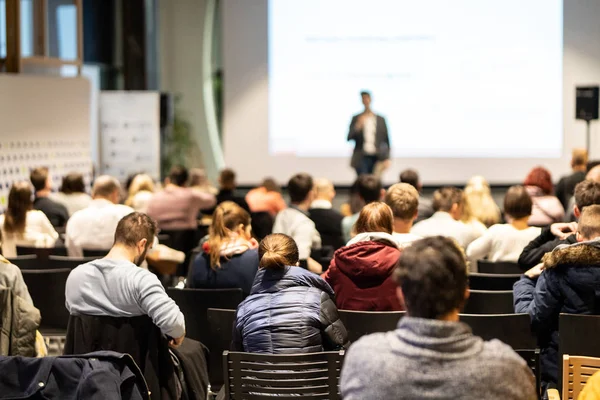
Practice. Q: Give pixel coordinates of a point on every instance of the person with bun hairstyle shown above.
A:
(289, 310)
(547, 208)
(229, 258)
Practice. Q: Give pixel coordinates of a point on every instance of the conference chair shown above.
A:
(220, 327)
(576, 372)
(489, 302)
(183, 240)
(512, 329)
(56, 262)
(578, 334)
(479, 281)
(42, 252)
(96, 253)
(532, 357)
(498, 267)
(360, 323)
(30, 261)
(266, 376)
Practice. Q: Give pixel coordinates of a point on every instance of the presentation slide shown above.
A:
(453, 79)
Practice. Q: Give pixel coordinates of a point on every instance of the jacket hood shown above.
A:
(367, 261)
(270, 281)
(582, 254)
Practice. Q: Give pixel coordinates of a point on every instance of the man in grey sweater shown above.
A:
(431, 355)
(115, 286)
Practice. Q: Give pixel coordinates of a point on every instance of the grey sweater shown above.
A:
(432, 359)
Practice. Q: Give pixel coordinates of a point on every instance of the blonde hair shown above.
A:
(478, 202)
(227, 217)
(403, 199)
(140, 183)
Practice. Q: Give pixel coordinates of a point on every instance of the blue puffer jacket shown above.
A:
(570, 284)
(290, 310)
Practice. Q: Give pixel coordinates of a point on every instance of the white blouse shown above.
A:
(39, 232)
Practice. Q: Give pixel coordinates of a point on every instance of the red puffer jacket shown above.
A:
(361, 277)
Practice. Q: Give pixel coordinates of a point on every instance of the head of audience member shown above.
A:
(41, 181)
(271, 185)
(301, 190)
(129, 180)
(19, 202)
(449, 200)
(227, 179)
(411, 177)
(178, 176)
(579, 160)
(479, 203)
(108, 188)
(73, 183)
(432, 279)
(277, 251)
(588, 227)
(365, 97)
(229, 223)
(403, 199)
(197, 178)
(593, 174)
(134, 236)
(587, 193)
(374, 217)
(517, 204)
(140, 183)
(541, 178)
(324, 190)
(369, 189)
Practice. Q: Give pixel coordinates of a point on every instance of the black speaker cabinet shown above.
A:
(586, 105)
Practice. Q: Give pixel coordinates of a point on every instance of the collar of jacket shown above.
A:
(274, 280)
(578, 254)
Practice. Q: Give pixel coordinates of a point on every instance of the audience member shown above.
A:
(294, 221)
(227, 189)
(431, 354)
(328, 221)
(94, 226)
(229, 258)
(199, 181)
(593, 175)
(42, 183)
(140, 192)
(448, 206)
(567, 282)
(403, 199)
(176, 207)
(266, 198)
(505, 242)
(547, 209)
(21, 225)
(565, 188)
(72, 193)
(369, 190)
(587, 193)
(480, 205)
(411, 177)
(361, 273)
(114, 286)
(289, 310)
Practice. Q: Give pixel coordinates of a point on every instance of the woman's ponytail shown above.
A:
(277, 251)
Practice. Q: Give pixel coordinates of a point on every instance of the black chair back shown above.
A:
(489, 302)
(183, 240)
(578, 336)
(47, 290)
(96, 253)
(262, 224)
(498, 267)
(42, 252)
(56, 262)
(30, 261)
(360, 323)
(263, 376)
(220, 326)
(512, 329)
(194, 303)
(532, 357)
(479, 281)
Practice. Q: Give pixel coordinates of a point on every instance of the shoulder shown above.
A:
(501, 353)
(369, 348)
(36, 215)
(122, 209)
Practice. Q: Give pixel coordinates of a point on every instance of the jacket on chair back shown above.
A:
(290, 310)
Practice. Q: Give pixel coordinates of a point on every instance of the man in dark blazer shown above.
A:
(370, 134)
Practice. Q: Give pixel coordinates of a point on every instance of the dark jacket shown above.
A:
(56, 212)
(546, 242)
(329, 225)
(361, 277)
(232, 195)
(236, 272)
(95, 376)
(382, 141)
(569, 284)
(289, 310)
(565, 187)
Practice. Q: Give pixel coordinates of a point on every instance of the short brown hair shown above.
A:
(375, 217)
(277, 251)
(411, 177)
(226, 218)
(299, 187)
(587, 193)
(105, 185)
(517, 202)
(39, 177)
(227, 179)
(589, 222)
(134, 227)
(403, 199)
(446, 197)
(579, 157)
(73, 183)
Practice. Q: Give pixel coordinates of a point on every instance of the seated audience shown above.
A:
(229, 258)
(42, 183)
(140, 192)
(448, 206)
(587, 193)
(21, 225)
(94, 226)
(361, 273)
(480, 208)
(227, 189)
(294, 220)
(546, 207)
(403, 199)
(368, 188)
(199, 181)
(176, 207)
(431, 354)
(115, 286)
(566, 282)
(411, 177)
(565, 188)
(72, 193)
(289, 310)
(266, 198)
(327, 220)
(505, 242)
(593, 175)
